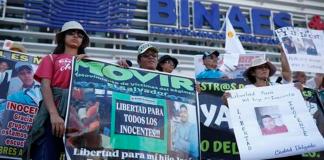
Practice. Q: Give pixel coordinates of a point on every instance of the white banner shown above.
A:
(304, 48)
(272, 122)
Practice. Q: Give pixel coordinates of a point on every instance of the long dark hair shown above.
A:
(249, 75)
(159, 66)
(60, 40)
(252, 78)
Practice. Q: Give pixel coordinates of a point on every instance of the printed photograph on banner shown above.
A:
(269, 119)
(5, 76)
(89, 121)
(303, 48)
(20, 96)
(289, 45)
(183, 126)
(129, 113)
(310, 47)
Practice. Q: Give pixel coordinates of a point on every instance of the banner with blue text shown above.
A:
(130, 113)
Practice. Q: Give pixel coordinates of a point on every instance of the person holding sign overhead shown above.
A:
(54, 73)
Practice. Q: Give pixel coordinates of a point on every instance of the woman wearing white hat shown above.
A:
(54, 74)
(259, 72)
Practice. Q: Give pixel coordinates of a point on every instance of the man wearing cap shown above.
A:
(29, 93)
(167, 64)
(210, 60)
(147, 57)
(29, 86)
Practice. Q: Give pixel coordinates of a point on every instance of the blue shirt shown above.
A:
(211, 73)
(185, 138)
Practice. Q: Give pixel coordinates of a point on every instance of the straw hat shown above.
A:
(258, 62)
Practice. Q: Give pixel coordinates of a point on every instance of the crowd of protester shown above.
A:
(53, 75)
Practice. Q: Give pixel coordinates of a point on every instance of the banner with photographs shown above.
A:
(217, 136)
(118, 113)
(275, 115)
(303, 47)
(19, 99)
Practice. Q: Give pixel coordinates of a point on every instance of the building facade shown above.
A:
(182, 28)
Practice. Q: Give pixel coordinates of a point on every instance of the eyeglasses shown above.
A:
(78, 33)
(147, 55)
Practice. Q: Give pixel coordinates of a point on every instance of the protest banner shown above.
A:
(244, 63)
(315, 107)
(118, 113)
(272, 122)
(217, 136)
(19, 99)
(303, 47)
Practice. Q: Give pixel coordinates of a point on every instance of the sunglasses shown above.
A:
(78, 33)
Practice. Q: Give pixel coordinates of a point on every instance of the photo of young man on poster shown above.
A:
(268, 118)
(310, 47)
(289, 45)
(184, 137)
